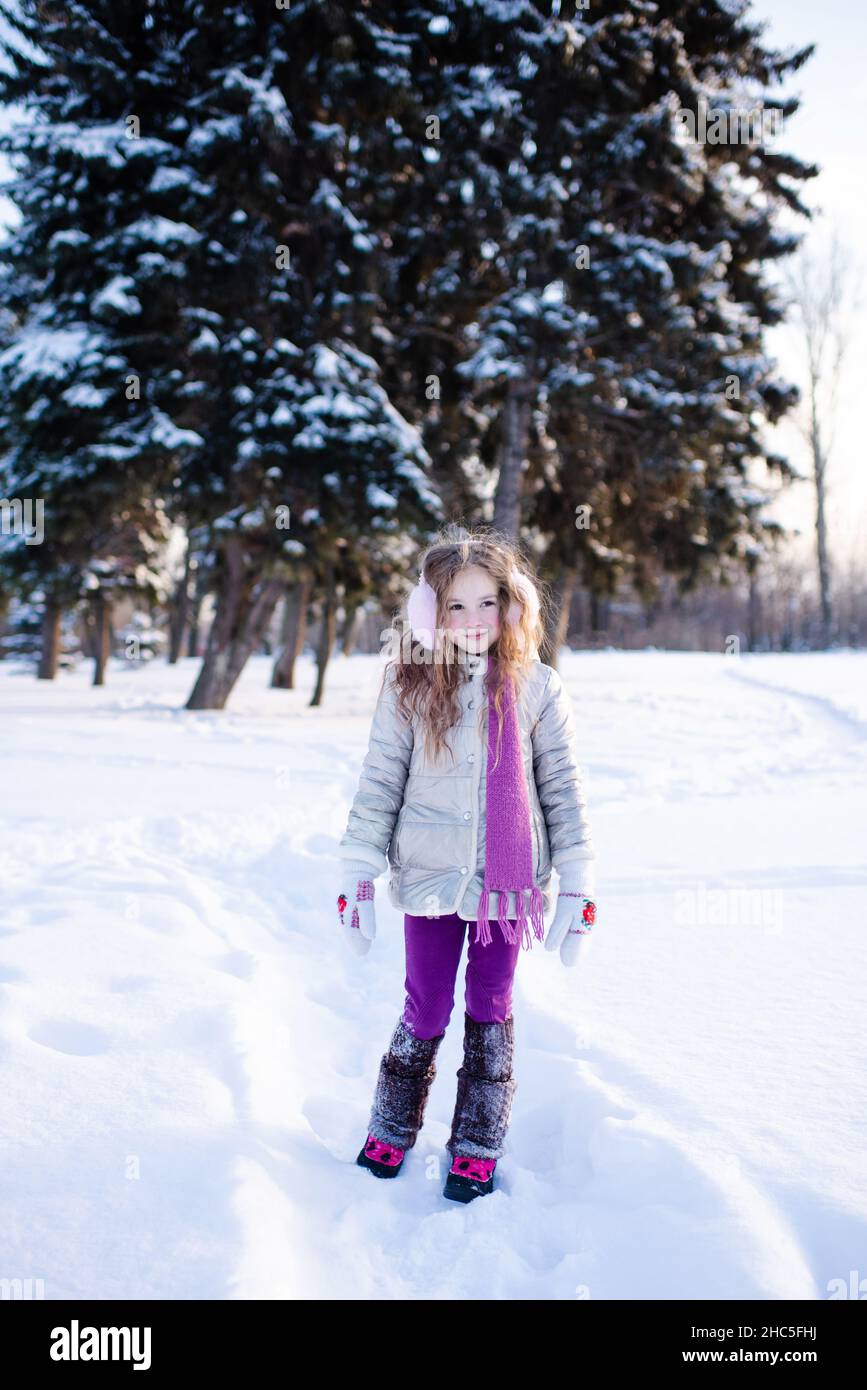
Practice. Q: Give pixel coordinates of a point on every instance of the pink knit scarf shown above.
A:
(508, 838)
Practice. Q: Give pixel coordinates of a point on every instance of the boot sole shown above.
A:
(460, 1189)
(379, 1170)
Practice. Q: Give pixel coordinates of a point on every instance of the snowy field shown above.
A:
(188, 1054)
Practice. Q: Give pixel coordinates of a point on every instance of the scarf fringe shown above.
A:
(503, 921)
(520, 930)
(537, 912)
(483, 931)
(523, 929)
(536, 905)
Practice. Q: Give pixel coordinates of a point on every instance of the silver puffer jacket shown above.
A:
(425, 820)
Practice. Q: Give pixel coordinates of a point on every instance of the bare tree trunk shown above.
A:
(4, 622)
(292, 634)
(195, 623)
(50, 652)
(244, 609)
(181, 609)
(822, 534)
(327, 634)
(586, 612)
(102, 606)
(512, 456)
(598, 612)
(555, 638)
(201, 588)
(352, 612)
(823, 290)
(753, 612)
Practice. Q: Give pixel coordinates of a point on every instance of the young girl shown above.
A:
(470, 793)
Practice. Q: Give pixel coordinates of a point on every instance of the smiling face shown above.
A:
(472, 614)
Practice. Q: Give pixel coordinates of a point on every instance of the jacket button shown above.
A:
(468, 815)
(471, 757)
(465, 870)
(470, 704)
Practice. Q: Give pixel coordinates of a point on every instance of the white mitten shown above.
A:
(355, 905)
(570, 931)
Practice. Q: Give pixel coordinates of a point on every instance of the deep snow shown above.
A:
(188, 1052)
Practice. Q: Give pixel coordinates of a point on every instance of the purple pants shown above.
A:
(433, 953)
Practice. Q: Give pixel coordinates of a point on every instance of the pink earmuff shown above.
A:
(531, 599)
(421, 608)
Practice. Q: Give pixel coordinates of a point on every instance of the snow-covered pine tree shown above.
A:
(304, 133)
(662, 412)
(131, 562)
(301, 445)
(91, 280)
(184, 229)
(678, 236)
(603, 280)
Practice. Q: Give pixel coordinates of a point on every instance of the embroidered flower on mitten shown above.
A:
(360, 930)
(588, 913)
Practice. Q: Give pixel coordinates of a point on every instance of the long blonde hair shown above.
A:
(428, 689)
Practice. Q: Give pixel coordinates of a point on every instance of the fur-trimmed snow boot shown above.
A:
(385, 1160)
(406, 1073)
(483, 1108)
(469, 1177)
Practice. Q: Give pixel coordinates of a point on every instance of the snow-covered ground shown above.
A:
(187, 1053)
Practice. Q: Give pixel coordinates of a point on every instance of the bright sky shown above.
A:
(828, 130)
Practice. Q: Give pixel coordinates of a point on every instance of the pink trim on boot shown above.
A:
(468, 1167)
(381, 1152)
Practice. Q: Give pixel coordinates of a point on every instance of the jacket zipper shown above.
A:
(471, 866)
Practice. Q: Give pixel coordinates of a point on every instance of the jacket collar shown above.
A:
(476, 676)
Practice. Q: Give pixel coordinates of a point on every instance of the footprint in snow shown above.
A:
(70, 1036)
(241, 964)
